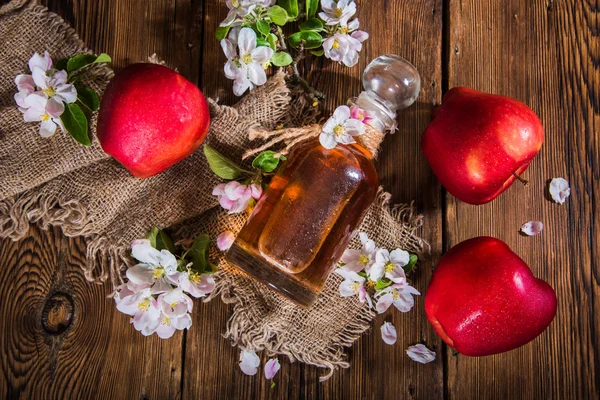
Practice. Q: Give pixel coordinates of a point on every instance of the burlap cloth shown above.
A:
(55, 181)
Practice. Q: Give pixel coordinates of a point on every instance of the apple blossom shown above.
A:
(44, 62)
(271, 368)
(532, 228)
(249, 362)
(48, 111)
(337, 12)
(245, 67)
(399, 294)
(362, 115)
(235, 197)
(158, 269)
(390, 265)
(142, 306)
(225, 240)
(421, 354)
(353, 284)
(198, 285)
(25, 87)
(168, 325)
(238, 9)
(340, 128)
(388, 333)
(175, 304)
(344, 45)
(559, 190)
(55, 85)
(357, 260)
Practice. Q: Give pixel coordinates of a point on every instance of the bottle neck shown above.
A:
(382, 115)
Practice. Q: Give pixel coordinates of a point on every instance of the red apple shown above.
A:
(483, 299)
(151, 118)
(477, 142)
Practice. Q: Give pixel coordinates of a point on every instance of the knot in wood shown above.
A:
(57, 314)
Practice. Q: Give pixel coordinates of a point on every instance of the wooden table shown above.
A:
(543, 52)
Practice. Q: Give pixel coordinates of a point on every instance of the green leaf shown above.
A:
(278, 15)
(382, 284)
(199, 254)
(311, 8)
(363, 274)
(272, 384)
(221, 165)
(272, 39)
(318, 52)
(281, 59)
(291, 6)
(263, 27)
(312, 40)
(222, 32)
(267, 160)
(75, 122)
(61, 64)
(313, 24)
(88, 98)
(83, 60)
(262, 42)
(160, 240)
(411, 264)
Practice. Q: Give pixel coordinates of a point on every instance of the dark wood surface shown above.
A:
(545, 53)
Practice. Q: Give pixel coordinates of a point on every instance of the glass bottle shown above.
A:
(304, 220)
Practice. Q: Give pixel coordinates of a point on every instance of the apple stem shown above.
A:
(524, 181)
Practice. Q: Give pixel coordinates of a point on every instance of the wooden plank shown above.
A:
(100, 355)
(544, 53)
(410, 29)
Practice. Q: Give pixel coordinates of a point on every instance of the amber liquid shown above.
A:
(303, 222)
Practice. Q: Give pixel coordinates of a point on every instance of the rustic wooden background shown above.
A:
(543, 52)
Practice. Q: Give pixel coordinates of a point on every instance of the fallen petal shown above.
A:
(271, 368)
(420, 353)
(559, 190)
(249, 362)
(532, 228)
(388, 333)
(225, 240)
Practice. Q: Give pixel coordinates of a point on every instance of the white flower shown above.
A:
(559, 190)
(238, 9)
(198, 285)
(353, 284)
(175, 304)
(388, 333)
(48, 111)
(271, 368)
(25, 86)
(54, 86)
(421, 354)
(168, 325)
(157, 270)
(249, 362)
(358, 260)
(399, 294)
(225, 240)
(390, 265)
(235, 197)
(344, 45)
(532, 228)
(245, 67)
(142, 307)
(337, 12)
(340, 128)
(44, 62)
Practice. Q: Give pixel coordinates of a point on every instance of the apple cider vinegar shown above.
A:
(304, 220)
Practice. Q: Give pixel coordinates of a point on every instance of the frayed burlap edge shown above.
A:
(241, 328)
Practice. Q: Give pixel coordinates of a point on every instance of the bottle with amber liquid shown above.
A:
(304, 220)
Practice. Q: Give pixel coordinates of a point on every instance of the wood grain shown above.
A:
(546, 55)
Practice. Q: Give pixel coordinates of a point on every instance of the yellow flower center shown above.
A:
(363, 259)
(389, 267)
(143, 306)
(371, 284)
(395, 294)
(343, 30)
(335, 44)
(166, 321)
(45, 117)
(338, 12)
(339, 130)
(195, 277)
(247, 59)
(158, 273)
(173, 304)
(49, 91)
(355, 286)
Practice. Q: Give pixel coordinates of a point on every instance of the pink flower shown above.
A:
(358, 113)
(420, 353)
(198, 285)
(225, 240)
(400, 294)
(235, 197)
(271, 368)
